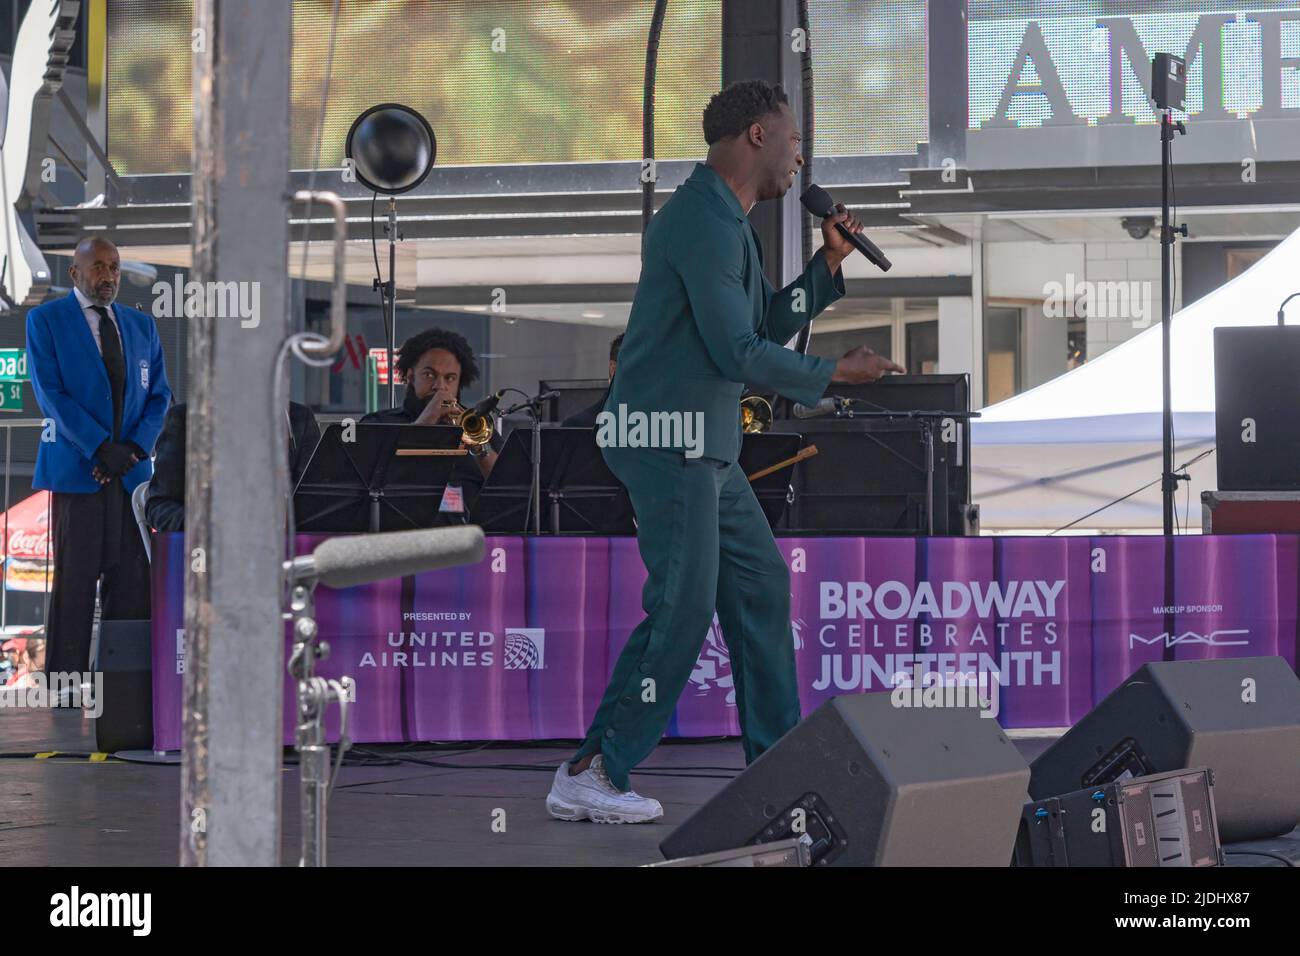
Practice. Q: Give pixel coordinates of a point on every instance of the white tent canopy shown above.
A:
(1055, 453)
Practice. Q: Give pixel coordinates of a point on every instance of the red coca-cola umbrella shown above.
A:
(25, 533)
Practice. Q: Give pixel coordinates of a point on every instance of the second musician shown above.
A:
(436, 365)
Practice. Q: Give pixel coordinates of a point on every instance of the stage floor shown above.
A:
(72, 812)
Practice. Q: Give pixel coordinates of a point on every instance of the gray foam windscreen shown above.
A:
(348, 561)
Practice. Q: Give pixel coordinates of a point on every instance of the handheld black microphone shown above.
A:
(819, 202)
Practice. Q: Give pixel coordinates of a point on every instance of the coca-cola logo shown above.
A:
(29, 544)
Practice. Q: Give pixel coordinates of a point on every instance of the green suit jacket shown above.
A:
(705, 322)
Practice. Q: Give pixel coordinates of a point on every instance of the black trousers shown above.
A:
(94, 535)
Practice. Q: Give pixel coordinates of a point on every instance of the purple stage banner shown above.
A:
(519, 646)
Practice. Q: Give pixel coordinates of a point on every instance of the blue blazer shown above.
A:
(71, 384)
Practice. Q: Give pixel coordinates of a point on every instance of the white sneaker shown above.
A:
(591, 795)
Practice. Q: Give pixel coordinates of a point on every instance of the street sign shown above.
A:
(13, 365)
(11, 396)
(381, 365)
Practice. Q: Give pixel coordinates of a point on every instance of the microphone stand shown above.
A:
(368, 558)
(315, 694)
(532, 405)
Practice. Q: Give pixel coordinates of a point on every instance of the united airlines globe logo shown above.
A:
(525, 648)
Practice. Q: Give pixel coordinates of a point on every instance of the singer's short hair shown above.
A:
(734, 109)
(436, 338)
(614, 346)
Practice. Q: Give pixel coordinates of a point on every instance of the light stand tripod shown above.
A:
(1168, 86)
(388, 294)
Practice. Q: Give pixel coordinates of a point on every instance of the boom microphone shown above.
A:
(827, 406)
(819, 202)
(488, 404)
(359, 559)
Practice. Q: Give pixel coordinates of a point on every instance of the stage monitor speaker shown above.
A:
(1240, 717)
(791, 852)
(874, 784)
(1256, 391)
(125, 658)
(1166, 819)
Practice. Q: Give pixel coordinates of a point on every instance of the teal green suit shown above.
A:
(704, 322)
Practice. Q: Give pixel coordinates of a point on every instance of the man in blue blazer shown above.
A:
(97, 370)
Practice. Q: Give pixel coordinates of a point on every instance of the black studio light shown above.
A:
(392, 148)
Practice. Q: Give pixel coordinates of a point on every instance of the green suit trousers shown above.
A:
(706, 544)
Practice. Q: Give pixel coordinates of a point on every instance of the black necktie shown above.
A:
(114, 363)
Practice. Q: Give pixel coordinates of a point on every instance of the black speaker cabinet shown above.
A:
(1257, 434)
(869, 477)
(873, 784)
(125, 658)
(1166, 819)
(1239, 717)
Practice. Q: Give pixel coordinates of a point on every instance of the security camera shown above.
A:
(1139, 227)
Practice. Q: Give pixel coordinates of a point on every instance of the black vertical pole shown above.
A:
(648, 113)
(392, 301)
(1166, 309)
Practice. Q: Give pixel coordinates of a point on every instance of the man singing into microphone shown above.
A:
(704, 322)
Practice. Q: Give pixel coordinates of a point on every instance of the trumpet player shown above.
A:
(436, 365)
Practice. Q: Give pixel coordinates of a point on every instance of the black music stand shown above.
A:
(762, 450)
(917, 510)
(390, 478)
(583, 495)
(575, 394)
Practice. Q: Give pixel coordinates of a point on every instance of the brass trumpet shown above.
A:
(475, 429)
(755, 414)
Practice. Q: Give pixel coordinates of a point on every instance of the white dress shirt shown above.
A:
(92, 318)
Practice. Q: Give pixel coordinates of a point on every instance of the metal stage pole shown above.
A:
(237, 478)
(1168, 233)
(392, 302)
(1167, 483)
